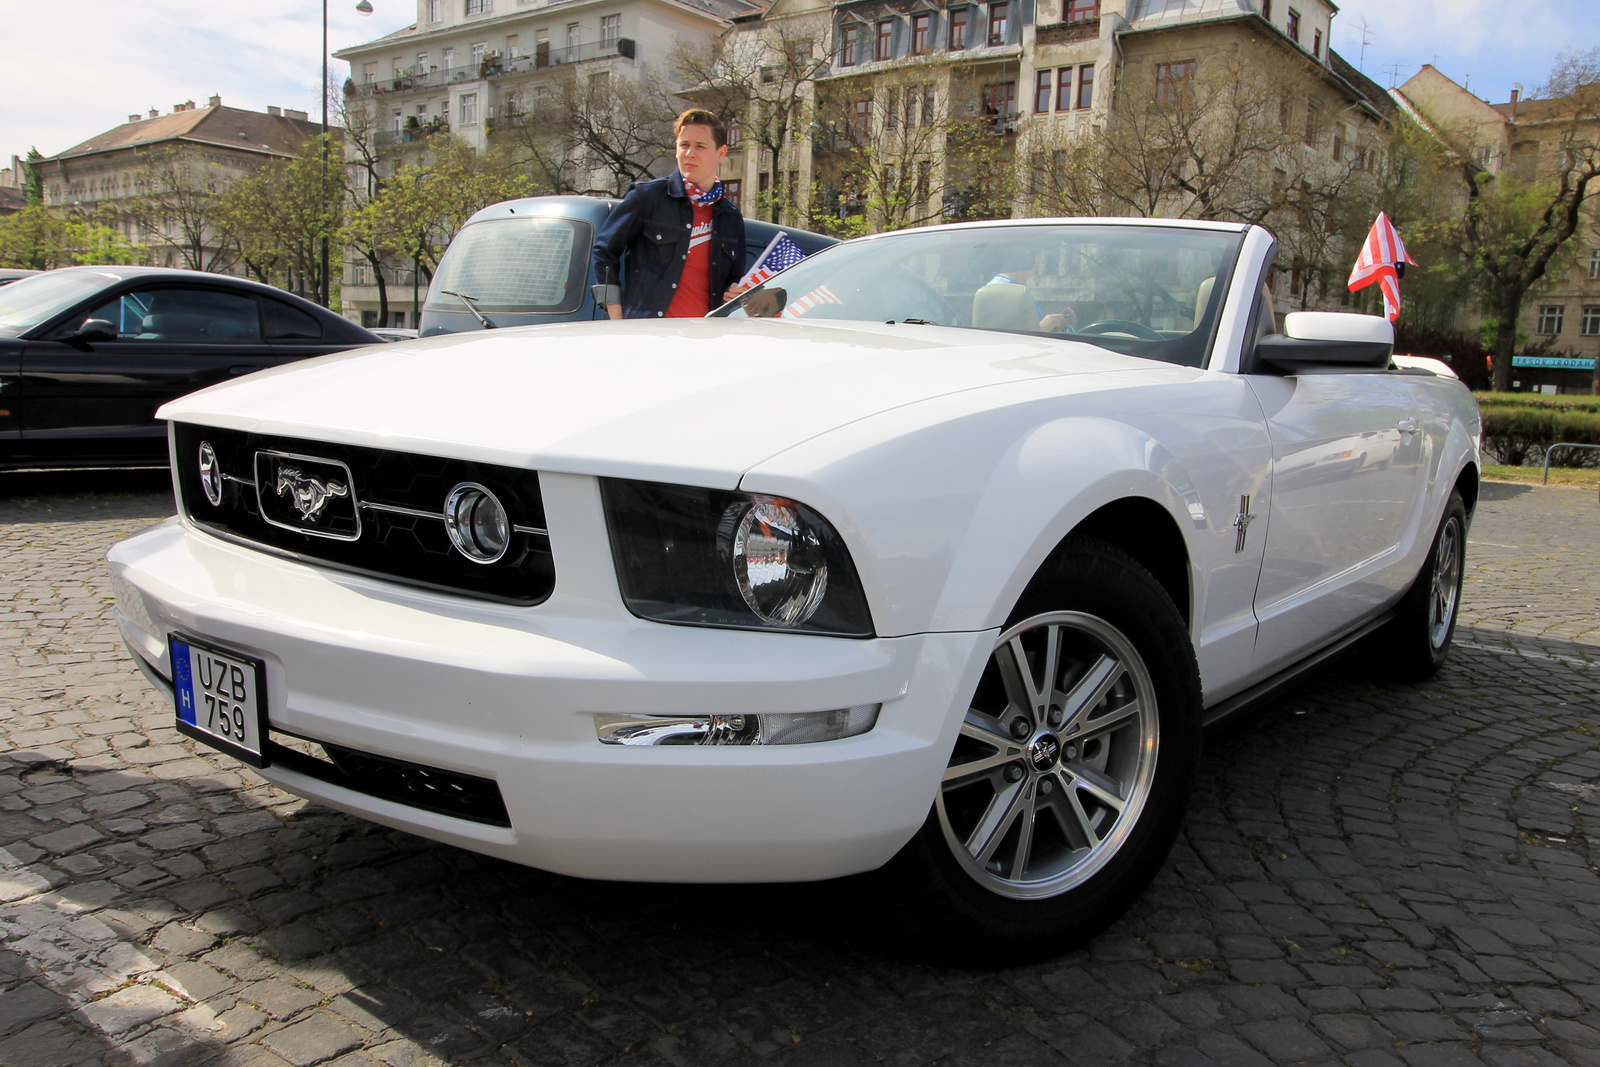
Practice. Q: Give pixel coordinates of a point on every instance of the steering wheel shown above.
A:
(1137, 329)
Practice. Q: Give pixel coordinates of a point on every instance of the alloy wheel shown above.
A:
(1055, 759)
(1447, 560)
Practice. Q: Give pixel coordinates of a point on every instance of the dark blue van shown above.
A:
(523, 262)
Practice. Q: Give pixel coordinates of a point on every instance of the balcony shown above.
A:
(411, 134)
(543, 57)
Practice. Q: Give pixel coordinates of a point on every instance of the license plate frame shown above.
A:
(246, 714)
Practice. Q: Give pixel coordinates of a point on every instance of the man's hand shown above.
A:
(734, 290)
(614, 311)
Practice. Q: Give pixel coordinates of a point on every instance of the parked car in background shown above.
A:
(526, 262)
(880, 566)
(12, 274)
(87, 355)
(393, 333)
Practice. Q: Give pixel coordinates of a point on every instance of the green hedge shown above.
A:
(1518, 427)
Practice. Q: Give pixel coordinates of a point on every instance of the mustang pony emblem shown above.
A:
(309, 495)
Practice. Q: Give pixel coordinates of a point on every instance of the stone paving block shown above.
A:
(130, 1007)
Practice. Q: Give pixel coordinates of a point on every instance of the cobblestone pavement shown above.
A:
(1370, 875)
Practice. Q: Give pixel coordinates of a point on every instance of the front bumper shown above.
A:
(509, 694)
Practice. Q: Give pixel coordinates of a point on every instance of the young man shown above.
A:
(674, 247)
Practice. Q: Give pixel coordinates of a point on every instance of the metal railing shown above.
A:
(1561, 444)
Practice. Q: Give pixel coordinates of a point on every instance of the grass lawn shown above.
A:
(1572, 477)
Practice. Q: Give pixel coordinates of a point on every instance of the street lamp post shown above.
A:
(326, 292)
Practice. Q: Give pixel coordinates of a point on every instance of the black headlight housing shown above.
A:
(710, 557)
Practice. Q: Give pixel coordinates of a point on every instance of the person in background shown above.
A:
(674, 247)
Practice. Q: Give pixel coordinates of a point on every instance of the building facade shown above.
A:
(105, 176)
(477, 69)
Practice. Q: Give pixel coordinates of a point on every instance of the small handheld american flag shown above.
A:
(1383, 260)
(780, 254)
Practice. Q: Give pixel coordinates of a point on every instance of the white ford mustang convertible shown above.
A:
(935, 553)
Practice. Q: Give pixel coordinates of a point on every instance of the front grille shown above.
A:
(392, 525)
(464, 796)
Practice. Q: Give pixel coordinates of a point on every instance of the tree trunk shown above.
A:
(383, 289)
(1505, 342)
(1594, 386)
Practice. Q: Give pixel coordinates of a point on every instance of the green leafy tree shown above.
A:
(41, 238)
(277, 216)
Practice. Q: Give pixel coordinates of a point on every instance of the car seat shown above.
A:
(1005, 306)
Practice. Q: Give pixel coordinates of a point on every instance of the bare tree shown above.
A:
(178, 205)
(762, 85)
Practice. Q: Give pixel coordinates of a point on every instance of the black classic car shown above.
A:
(87, 354)
(526, 262)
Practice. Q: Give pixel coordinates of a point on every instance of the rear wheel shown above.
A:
(1413, 646)
(1072, 769)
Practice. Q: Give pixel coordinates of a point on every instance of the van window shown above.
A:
(530, 265)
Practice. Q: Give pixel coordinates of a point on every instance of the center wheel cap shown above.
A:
(1044, 750)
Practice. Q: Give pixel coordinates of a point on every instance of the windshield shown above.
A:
(27, 302)
(1145, 290)
(530, 265)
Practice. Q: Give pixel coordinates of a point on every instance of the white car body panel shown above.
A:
(951, 462)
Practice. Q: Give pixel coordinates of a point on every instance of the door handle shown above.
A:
(1407, 426)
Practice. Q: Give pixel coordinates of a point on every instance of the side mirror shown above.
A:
(95, 330)
(1327, 340)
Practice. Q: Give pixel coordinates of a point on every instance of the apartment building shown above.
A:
(470, 67)
(1530, 140)
(100, 176)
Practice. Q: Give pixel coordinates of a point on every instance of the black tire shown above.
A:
(1036, 890)
(1413, 645)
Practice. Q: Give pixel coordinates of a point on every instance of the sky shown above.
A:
(76, 68)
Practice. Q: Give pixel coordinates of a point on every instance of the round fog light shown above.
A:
(476, 522)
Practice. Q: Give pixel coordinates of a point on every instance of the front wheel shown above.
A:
(1072, 769)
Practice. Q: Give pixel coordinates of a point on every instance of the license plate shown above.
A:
(221, 696)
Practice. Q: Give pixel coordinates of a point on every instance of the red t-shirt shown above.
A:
(692, 298)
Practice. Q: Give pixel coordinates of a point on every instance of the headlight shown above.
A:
(708, 557)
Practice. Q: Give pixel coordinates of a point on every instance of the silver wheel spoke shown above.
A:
(1025, 820)
(1090, 691)
(1085, 825)
(997, 819)
(1102, 787)
(1111, 720)
(978, 728)
(1013, 664)
(1033, 699)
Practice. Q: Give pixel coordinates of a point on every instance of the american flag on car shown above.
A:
(820, 295)
(780, 254)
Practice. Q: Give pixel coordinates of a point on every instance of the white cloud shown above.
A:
(76, 68)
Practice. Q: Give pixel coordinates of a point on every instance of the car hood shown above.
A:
(696, 401)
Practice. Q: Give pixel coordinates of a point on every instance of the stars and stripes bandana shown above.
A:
(703, 199)
(1383, 260)
(780, 254)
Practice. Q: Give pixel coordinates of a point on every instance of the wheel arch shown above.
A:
(1146, 531)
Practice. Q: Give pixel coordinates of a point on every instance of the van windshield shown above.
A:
(530, 265)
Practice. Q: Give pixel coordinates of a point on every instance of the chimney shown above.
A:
(290, 113)
(215, 101)
(177, 108)
(155, 113)
(1516, 94)
(275, 111)
(133, 118)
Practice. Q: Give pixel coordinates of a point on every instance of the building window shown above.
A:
(1550, 318)
(998, 16)
(397, 122)
(1266, 10)
(861, 122)
(733, 189)
(1080, 10)
(1293, 25)
(1316, 44)
(1591, 320)
(852, 42)
(369, 72)
(735, 131)
(574, 35)
(1000, 99)
(1172, 78)
(449, 58)
(924, 169)
(422, 64)
(1041, 91)
(920, 25)
(885, 49)
(610, 30)
(891, 113)
(1313, 123)
(1594, 264)
(927, 106)
(958, 29)
(435, 10)
(1338, 144)
(479, 7)
(469, 109)
(479, 50)
(1086, 85)
(1063, 88)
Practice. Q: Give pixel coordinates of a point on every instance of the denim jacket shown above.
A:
(646, 241)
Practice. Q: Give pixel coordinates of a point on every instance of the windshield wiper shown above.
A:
(467, 300)
(914, 322)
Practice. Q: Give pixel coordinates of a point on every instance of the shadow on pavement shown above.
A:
(76, 495)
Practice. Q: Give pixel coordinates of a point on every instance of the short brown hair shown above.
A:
(699, 116)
